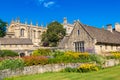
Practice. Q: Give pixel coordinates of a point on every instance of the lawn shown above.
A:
(106, 74)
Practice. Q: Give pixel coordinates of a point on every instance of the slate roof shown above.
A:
(15, 41)
(102, 35)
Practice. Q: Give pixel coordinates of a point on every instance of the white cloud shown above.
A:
(41, 1)
(48, 4)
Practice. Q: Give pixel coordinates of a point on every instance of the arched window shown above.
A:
(34, 33)
(39, 33)
(22, 32)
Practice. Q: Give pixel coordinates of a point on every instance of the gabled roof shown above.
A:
(15, 41)
(102, 35)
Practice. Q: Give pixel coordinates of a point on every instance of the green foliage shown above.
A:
(11, 64)
(43, 52)
(35, 60)
(82, 68)
(8, 53)
(55, 32)
(69, 69)
(74, 57)
(2, 28)
(114, 55)
(1, 59)
(97, 58)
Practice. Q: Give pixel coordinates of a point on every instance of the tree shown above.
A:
(55, 32)
(2, 28)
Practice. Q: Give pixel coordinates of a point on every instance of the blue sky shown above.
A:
(91, 12)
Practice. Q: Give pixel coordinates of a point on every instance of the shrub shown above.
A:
(1, 59)
(68, 69)
(72, 54)
(97, 58)
(87, 67)
(116, 55)
(43, 52)
(113, 55)
(11, 64)
(8, 53)
(69, 56)
(35, 60)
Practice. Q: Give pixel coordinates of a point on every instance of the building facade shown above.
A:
(67, 26)
(22, 46)
(19, 30)
(85, 38)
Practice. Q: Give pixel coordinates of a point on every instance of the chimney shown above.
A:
(117, 27)
(103, 28)
(65, 20)
(109, 27)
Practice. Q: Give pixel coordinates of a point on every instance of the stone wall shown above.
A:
(36, 69)
(48, 68)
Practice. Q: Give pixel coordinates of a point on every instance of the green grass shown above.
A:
(106, 74)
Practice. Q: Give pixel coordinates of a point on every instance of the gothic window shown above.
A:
(34, 34)
(39, 32)
(22, 32)
(79, 46)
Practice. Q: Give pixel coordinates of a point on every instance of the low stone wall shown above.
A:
(111, 62)
(36, 69)
(47, 68)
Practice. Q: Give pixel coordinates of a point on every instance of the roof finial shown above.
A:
(31, 22)
(78, 20)
(37, 23)
(12, 21)
(18, 20)
(26, 22)
(41, 25)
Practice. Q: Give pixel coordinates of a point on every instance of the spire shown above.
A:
(31, 22)
(26, 22)
(41, 25)
(12, 21)
(78, 20)
(37, 23)
(18, 20)
(65, 20)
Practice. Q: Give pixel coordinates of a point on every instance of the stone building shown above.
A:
(19, 30)
(22, 38)
(85, 38)
(67, 26)
(22, 46)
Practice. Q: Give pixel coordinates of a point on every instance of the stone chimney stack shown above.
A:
(117, 27)
(65, 20)
(109, 27)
